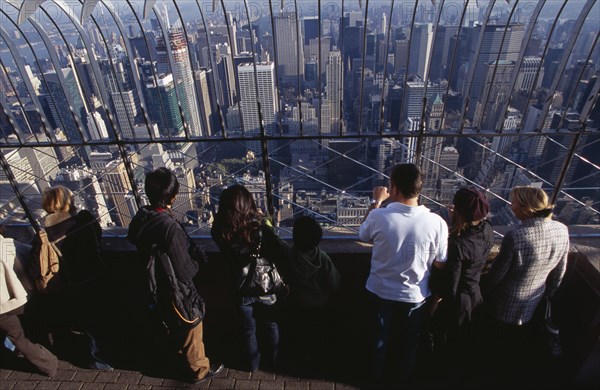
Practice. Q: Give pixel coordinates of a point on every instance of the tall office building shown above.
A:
(119, 192)
(265, 73)
(27, 183)
(400, 57)
(414, 96)
(56, 102)
(86, 79)
(496, 89)
(312, 53)
(205, 93)
(290, 48)
(442, 52)
(96, 126)
(183, 77)
(432, 147)
(126, 110)
(489, 53)
(162, 106)
(119, 83)
(184, 201)
(420, 49)
(227, 77)
(310, 28)
(385, 150)
(335, 83)
(527, 72)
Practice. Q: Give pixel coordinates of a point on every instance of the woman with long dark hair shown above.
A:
(239, 230)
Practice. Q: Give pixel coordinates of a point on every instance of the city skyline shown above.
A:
(333, 103)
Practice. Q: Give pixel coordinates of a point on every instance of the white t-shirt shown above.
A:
(406, 240)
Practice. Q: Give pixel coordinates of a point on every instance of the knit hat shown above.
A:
(471, 204)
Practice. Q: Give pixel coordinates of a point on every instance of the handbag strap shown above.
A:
(256, 253)
(548, 315)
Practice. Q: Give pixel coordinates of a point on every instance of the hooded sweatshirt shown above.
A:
(157, 227)
(314, 277)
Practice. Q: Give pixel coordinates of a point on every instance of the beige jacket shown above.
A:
(12, 293)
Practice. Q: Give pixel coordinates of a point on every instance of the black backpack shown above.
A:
(177, 304)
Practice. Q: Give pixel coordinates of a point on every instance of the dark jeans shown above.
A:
(262, 319)
(400, 320)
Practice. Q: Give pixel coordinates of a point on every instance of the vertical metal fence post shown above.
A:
(566, 165)
(265, 157)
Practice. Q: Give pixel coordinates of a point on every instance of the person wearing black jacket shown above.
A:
(155, 232)
(469, 245)
(238, 230)
(70, 313)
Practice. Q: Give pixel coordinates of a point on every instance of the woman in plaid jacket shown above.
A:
(532, 259)
(530, 265)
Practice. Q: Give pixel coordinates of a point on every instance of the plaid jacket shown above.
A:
(532, 260)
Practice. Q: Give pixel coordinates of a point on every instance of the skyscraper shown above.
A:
(335, 83)
(310, 28)
(527, 73)
(183, 78)
(121, 90)
(118, 190)
(290, 50)
(162, 106)
(496, 90)
(265, 73)
(56, 101)
(414, 97)
(420, 49)
(489, 53)
(204, 82)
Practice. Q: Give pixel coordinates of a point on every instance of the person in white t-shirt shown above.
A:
(408, 240)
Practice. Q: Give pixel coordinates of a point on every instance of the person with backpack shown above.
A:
(71, 300)
(172, 263)
(244, 235)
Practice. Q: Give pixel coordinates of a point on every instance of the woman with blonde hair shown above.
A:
(72, 306)
(530, 266)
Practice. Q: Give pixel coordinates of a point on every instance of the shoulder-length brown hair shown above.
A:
(459, 224)
(238, 216)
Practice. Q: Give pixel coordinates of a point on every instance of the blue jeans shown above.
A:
(405, 320)
(265, 317)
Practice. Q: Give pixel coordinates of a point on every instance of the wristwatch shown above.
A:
(375, 203)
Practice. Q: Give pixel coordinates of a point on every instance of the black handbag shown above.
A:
(260, 276)
(179, 307)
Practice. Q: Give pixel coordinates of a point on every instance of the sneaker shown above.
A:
(214, 370)
(100, 365)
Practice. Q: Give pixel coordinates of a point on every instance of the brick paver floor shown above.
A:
(75, 378)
